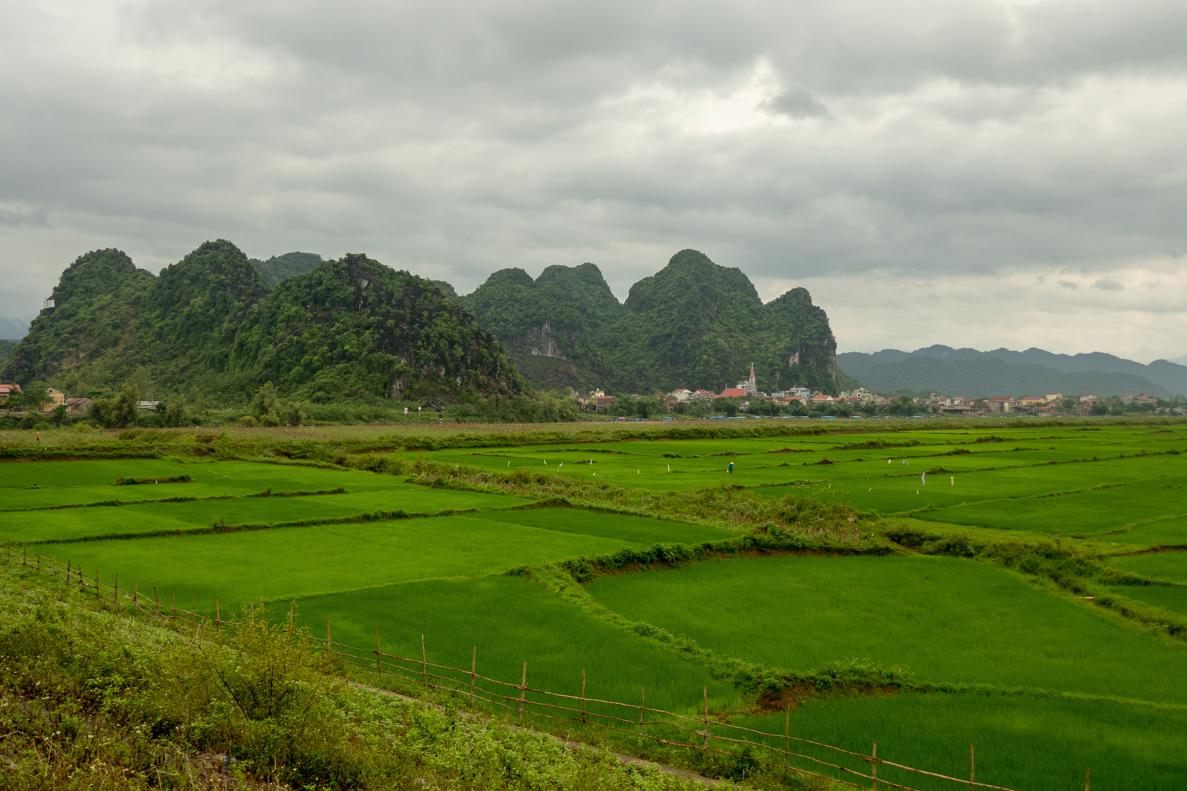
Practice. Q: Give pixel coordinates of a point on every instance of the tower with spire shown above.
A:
(751, 384)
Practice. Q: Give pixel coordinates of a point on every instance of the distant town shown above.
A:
(746, 399)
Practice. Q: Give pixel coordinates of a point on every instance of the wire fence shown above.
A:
(635, 720)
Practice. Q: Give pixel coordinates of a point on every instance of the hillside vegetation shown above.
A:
(93, 699)
(208, 328)
(693, 324)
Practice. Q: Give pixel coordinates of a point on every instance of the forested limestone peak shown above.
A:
(208, 328)
(99, 271)
(281, 267)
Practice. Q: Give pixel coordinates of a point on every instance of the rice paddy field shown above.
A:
(1018, 588)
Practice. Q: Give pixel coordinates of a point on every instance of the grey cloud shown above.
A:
(1107, 284)
(797, 102)
(456, 138)
(1068, 284)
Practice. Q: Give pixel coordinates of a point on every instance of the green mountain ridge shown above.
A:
(281, 267)
(208, 328)
(692, 324)
(977, 374)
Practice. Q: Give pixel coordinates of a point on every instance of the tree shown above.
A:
(116, 412)
(33, 396)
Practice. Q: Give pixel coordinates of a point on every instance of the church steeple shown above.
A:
(752, 383)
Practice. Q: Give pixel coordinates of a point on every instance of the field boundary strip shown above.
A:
(638, 720)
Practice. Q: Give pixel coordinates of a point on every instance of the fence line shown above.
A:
(698, 733)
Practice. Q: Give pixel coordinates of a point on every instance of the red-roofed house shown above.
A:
(733, 392)
(9, 391)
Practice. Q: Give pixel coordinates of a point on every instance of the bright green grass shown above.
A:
(1020, 742)
(635, 529)
(1105, 513)
(1172, 598)
(943, 619)
(1171, 531)
(81, 482)
(74, 523)
(1169, 566)
(239, 567)
(510, 621)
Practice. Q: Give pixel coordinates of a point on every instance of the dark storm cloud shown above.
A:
(907, 140)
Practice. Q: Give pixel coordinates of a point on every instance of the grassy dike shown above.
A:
(94, 699)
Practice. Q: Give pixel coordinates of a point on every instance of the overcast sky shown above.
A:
(983, 173)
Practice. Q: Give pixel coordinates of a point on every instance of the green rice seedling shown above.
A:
(944, 620)
(240, 567)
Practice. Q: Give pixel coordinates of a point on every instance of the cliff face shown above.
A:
(693, 324)
(551, 326)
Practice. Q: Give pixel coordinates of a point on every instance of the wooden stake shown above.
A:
(156, 597)
(115, 589)
(787, 735)
(473, 671)
(583, 696)
(424, 663)
(523, 689)
(218, 617)
(172, 605)
(292, 614)
(67, 572)
(135, 595)
(705, 737)
(329, 642)
(642, 705)
(874, 765)
(378, 669)
(1087, 780)
(972, 768)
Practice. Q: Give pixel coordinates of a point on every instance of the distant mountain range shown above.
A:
(13, 329)
(977, 374)
(692, 324)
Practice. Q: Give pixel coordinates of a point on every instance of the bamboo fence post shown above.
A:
(329, 641)
(583, 720)
(378, 669)
(156, 597)
(473, 671)
(218, 617)
(874, 765)
(523, 688)
(37, 560)
(135, 595)
(67, 572)
(24, 556)
(642, 705)
(115, 589)
(705, 736)
(97, 583)
(292, 614)
(972, 769)
(424, 663)
(1087, 780)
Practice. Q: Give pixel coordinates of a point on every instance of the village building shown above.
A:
(54, 398)
(78, 405)
(9, 392)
